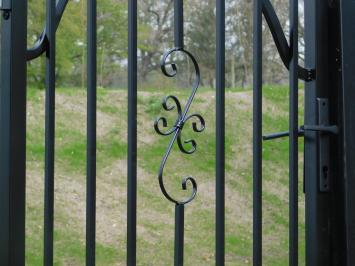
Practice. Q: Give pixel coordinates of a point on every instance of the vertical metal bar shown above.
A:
(91, 134)
(348, 70)
(132, 134)
(293, 139)
(179, 235)
(220, 132)
(49, 135)
(13, 38)
(318, 251)
(310, 139)
(257, 134)
(179, 23)
(332, 176)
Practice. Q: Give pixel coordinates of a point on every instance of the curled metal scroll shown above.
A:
(171, 103)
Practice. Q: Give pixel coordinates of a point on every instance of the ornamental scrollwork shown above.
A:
(172, 103)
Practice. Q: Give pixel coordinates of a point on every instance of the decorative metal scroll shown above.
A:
(187, 146)
(171, 103)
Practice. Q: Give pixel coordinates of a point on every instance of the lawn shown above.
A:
(155, 214)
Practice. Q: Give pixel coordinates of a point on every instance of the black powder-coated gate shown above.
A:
(329, 149)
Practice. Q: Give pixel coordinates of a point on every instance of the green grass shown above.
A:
(155, 213)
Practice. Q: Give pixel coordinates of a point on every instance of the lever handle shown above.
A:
(328, 129)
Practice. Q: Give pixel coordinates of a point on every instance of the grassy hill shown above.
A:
(155, 213)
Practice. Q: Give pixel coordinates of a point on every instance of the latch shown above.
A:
(324, 129)
(282, 134)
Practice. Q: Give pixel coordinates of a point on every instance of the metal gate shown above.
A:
(329, 150)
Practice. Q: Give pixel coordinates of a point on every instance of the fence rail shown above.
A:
(329, 171)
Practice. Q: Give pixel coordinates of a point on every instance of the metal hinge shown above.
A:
(311, 74)
(307, 74)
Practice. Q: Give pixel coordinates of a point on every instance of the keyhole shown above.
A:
(325, 175)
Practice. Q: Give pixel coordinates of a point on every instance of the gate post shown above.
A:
(317, 204)
(348, 98)
(330, 145)
(12, 131)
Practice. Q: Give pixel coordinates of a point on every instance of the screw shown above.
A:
(6, 15)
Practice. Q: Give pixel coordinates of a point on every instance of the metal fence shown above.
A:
(328, 130)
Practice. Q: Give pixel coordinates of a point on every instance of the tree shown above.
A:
(200, 37)
(155, 33)
(71, 42)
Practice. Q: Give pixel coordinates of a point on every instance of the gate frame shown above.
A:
(13, 132)
(316, 205)
(330, 219)
(348, 116)
(330, 215)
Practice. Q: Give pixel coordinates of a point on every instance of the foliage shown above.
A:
(155, 35)
(71, 42)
